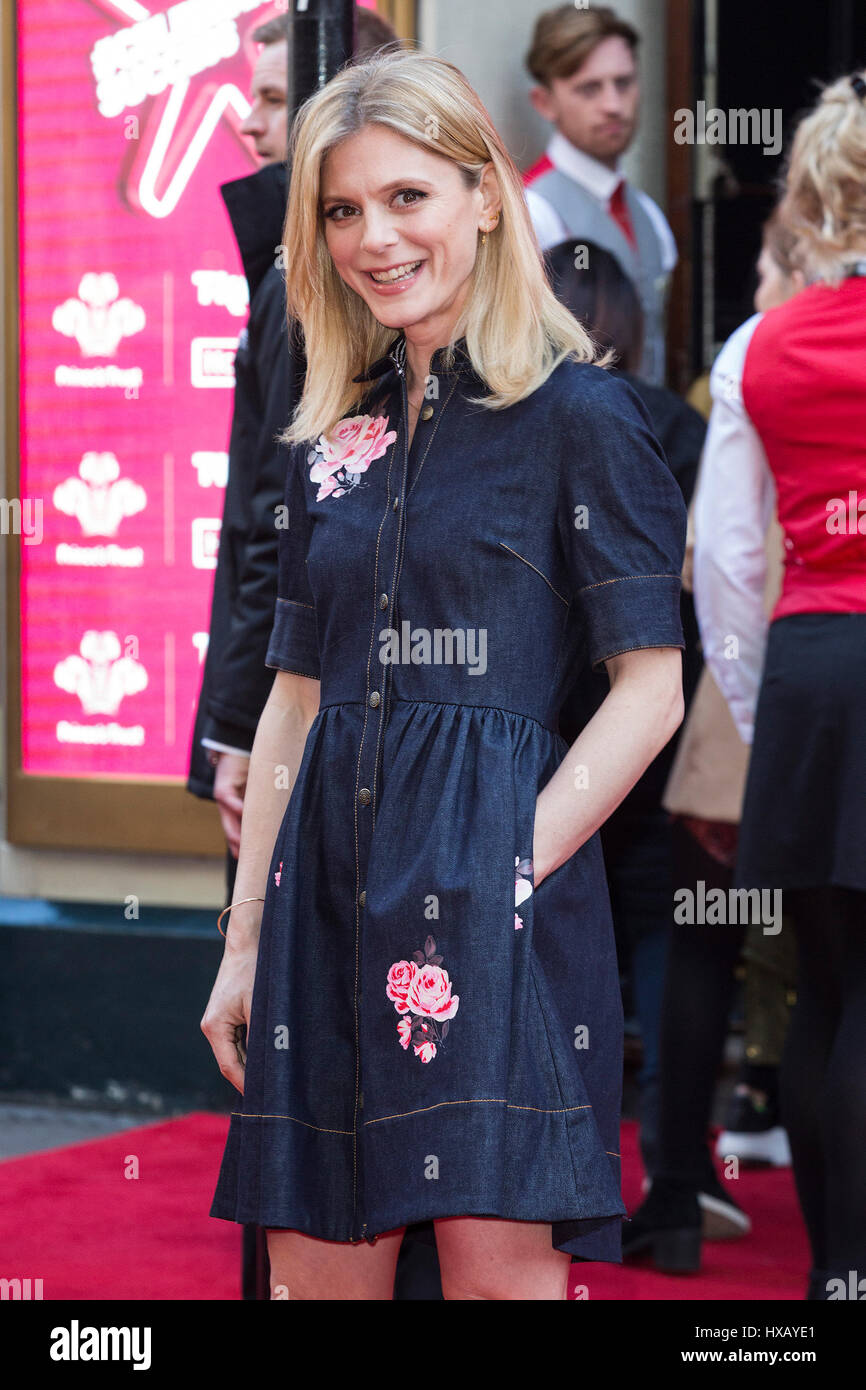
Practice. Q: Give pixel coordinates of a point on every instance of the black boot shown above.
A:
(648, 1134)
(668, 1226)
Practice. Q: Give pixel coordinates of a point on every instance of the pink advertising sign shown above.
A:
(132, 301)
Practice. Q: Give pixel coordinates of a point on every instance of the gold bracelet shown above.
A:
(229, 908)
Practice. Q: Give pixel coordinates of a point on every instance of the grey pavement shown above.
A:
(27, 1129)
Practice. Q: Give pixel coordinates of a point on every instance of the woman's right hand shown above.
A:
(289, 713)
(228, 1009)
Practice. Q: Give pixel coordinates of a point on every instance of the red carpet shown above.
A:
(73, 1219)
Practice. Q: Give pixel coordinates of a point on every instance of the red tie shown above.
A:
(618, 209)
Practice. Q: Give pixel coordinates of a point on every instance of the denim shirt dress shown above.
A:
(431, 1035)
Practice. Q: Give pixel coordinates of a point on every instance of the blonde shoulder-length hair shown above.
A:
(516, 330)
(824, 204)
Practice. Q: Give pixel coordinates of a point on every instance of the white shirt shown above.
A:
(735, 496)
(224, 748)
(600, 182)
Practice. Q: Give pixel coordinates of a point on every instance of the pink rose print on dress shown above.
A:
(420, 990)
(430, 993)
(340, 457)
(399, 980)
(522, 886)
(278, 874)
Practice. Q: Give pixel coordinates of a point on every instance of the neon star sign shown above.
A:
(158, 55)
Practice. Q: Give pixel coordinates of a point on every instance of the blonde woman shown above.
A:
(475, 510)
(793, 398)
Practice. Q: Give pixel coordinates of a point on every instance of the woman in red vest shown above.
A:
(796, 389)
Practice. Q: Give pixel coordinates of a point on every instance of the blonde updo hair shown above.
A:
(825, 188)
(516, 330)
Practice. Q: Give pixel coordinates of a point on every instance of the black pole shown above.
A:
(322, 39)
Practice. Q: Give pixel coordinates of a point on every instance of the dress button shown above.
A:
(362, 898)
(365, 796)
(383, 602)
(374, 699)
(427, 413)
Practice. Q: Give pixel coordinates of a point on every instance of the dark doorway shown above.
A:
(769, 56)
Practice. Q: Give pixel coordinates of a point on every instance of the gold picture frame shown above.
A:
(156, 816)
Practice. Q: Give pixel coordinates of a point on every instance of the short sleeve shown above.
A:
(623, 521)
(294, 643)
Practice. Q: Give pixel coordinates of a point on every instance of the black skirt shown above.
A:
(804, 814)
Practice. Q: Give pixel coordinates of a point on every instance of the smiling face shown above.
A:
(402, 228)
(597, 107)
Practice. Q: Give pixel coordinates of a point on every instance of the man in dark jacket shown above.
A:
(236, 682)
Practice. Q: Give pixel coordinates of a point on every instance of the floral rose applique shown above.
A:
(340, 457)
(522, 886)
(420, 991)
(278, 873)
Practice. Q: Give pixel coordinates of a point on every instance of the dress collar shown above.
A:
(395, 360)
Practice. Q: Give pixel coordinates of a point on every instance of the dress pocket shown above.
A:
(522, 558)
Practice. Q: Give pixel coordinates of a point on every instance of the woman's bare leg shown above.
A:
(485, 1257)
(303, 1267)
